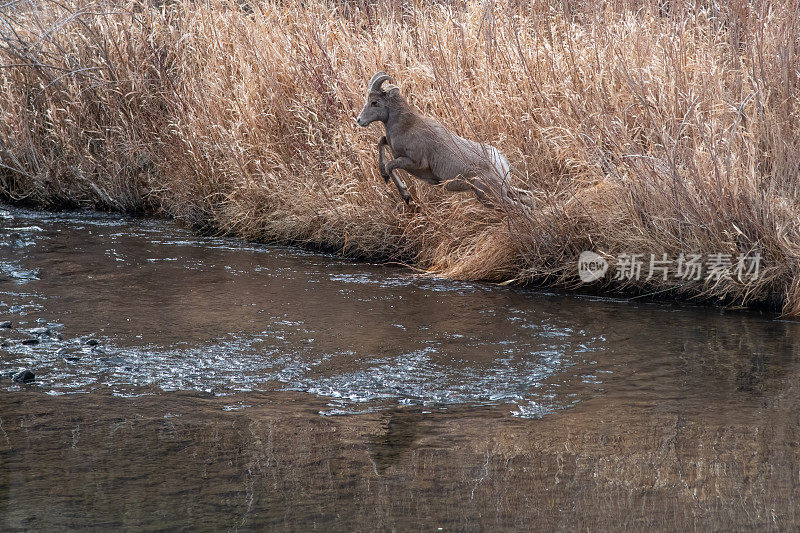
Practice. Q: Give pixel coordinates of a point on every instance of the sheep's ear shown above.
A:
(392, 90)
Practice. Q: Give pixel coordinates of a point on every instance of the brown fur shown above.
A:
(427, 150)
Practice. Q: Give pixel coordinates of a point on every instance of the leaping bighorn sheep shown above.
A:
(424, 148)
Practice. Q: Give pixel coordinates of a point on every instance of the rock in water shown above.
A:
(91, 342)
(26, 376)
(5, 324)
(40, 331)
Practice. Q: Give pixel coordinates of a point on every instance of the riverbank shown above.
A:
(646, 135)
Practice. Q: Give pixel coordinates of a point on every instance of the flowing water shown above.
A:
(209, 383)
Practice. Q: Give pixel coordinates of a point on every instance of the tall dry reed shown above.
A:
(640, 127)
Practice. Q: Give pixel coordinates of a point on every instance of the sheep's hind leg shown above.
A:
(486, 194)
(476, 185)
(456, 185)
(521, 197)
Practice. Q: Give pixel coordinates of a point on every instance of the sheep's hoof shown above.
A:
(385, 177)
(407, 200)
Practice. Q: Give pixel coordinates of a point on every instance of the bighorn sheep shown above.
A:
(424, 148)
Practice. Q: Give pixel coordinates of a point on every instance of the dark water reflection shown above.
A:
(239, 386)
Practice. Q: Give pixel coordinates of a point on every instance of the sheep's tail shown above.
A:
(498, 161)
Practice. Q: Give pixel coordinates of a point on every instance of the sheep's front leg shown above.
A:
(382, 143)
(401, 163)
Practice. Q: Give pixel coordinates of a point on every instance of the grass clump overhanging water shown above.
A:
(640, 128)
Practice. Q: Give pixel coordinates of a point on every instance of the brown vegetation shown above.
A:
(667, 127)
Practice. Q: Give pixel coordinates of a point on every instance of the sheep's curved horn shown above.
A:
(377, 80)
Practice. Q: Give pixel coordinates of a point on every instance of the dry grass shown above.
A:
(663, 127)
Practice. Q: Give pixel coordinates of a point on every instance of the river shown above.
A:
(202, 382)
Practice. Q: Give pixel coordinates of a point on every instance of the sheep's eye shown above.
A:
(374, 104)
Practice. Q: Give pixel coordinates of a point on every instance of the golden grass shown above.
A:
(663, 127)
